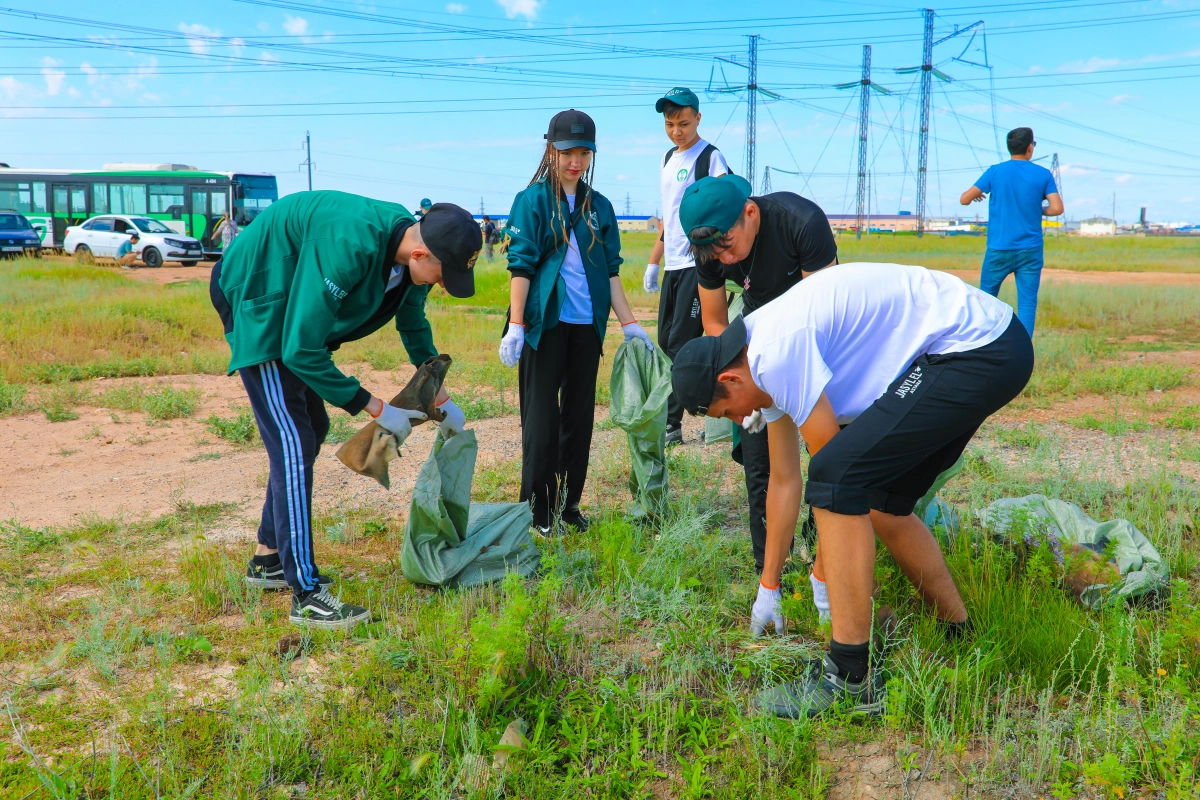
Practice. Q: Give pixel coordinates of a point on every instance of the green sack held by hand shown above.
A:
(641, 383)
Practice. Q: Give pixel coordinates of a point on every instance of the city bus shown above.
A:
(190, 201)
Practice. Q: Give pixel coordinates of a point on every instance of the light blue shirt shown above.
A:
(1015, 192)
(577, 308)
(124, 248)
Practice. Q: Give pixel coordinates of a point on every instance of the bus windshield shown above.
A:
(146, 225)
(255, 193)
(14, 222)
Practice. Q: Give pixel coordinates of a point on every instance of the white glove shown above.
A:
(768, 608)
(455, 419)
(754, 423)
(511, 344)
(634, 331)
(650, 279)
(398, 421)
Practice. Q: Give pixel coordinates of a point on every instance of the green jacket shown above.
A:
(538, 246)
(309, 275)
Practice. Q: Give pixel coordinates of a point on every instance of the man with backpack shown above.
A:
(690, 160)
(491, 236)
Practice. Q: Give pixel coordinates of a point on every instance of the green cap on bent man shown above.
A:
(695, 369)
(453, 237)
(680, 96)
(713, 203)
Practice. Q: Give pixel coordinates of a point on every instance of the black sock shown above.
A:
(850, 659)
(267, 560)
(954, 631)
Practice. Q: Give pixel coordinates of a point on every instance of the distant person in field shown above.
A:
(1016, 189)
(491, 236)
(690, 160)
(426, 204)
(229, 230)
(126, 256)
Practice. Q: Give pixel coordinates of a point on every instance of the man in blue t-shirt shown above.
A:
(1014, 239)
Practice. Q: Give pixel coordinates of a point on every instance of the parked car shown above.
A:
(17, 236)
(102, 235)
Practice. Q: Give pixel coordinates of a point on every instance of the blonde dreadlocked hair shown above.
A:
(548, 169)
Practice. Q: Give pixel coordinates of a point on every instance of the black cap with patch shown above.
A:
(454, 238)
(694, 371)
(572, 128)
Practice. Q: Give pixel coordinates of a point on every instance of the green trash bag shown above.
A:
(453, 542)
(641, 383)
(1141, 569)
(933, 510)
(721, 430)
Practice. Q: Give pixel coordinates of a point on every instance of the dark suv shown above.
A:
(17, 236)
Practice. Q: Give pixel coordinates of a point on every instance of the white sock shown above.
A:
(820, 597)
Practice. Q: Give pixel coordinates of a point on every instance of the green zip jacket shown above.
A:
(537, 248)
(309, 275)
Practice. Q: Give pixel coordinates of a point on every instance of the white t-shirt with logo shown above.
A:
(577, 308)
(678, 174)
(852, 329)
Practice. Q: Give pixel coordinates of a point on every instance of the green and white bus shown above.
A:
(190, 201)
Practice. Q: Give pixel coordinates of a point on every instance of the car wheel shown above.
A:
(189, 263)
(84, 253)
(152, 257)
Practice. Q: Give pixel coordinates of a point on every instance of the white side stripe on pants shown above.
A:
(293, 459)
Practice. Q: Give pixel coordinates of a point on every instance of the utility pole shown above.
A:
(864, 114)
(766, 184)
(751, 107)
(308, 158)
(926, 100)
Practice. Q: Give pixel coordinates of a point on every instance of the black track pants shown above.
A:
(756, 459)
(678, 322)
(292, 423)
(558, 405)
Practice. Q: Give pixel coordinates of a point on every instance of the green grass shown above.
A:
(241, 429)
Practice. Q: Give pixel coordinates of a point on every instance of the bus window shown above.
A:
(128, 198)
(14, 197)
(162, 197)
(253, 193)
(99, 198)
(39, 198)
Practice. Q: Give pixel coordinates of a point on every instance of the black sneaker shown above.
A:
(322, 610)
(266, 572)
(821, 690)
(575, 519)
(674, 436)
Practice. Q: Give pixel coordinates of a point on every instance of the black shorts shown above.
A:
(889, 457)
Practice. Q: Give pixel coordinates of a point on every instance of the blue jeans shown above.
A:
(1026, 268)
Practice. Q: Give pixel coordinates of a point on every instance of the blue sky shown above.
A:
(450, 100)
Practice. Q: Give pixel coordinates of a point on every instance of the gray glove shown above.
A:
(398, 421)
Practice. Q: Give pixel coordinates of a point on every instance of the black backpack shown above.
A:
(703, 161)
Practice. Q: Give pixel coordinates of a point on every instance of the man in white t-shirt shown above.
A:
(691, 159)
(887, 371)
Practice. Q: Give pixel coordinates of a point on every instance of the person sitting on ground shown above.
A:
(1016, 189)
(126, 256)
(912, 361)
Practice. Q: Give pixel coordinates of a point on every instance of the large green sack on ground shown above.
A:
(640, 385)
(933, 510)
(453, 542)
(721, 430)
(1141, 568)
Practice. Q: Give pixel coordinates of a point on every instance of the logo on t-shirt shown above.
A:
(681, 175)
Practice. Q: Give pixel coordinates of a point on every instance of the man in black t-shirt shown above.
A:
(767, 245)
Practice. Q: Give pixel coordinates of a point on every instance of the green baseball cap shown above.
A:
(680, 96)
(713, 203)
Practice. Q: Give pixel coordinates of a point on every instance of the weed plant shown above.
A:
(241, 429)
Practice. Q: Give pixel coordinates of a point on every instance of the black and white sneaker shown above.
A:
(322, 610)
(674, 436)
(575, 519)
(266, 572)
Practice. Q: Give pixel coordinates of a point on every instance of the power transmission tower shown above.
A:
(1057, 175)
(751, 107)
(864, 114)
(628, 213)
(766, 184)
(481, 211)
(926, 101)
(308, 162)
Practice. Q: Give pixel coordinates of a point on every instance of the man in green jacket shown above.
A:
(316, 270)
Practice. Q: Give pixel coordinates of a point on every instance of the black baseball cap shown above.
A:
(453, 237)
(572, 128)
(694, 371)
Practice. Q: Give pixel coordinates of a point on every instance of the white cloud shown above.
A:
(622, 177)
(1123, 179)
(1121, 98)
(195, 33)
(11, 87)
(456, 8)
(263, 26)
(55, 78)
(93, 74)
(1091, 65)
(521, 8)
(295, 26)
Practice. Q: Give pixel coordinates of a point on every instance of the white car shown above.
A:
(102, 235)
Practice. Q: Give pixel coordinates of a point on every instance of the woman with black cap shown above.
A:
(564, 257)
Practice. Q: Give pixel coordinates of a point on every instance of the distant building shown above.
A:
(646, 224)
(905, 221)
(1097, 226)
